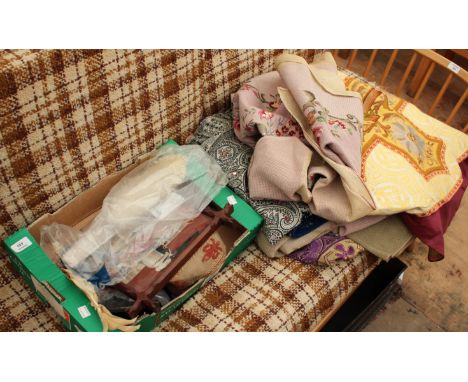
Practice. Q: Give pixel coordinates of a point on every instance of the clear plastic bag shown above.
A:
(143, 211)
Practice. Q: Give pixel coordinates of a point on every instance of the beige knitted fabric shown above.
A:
(358, 225)
(331, 121)
(340, 195)
(278, 169)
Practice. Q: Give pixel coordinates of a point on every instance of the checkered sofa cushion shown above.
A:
(257, 293)
(68, 118)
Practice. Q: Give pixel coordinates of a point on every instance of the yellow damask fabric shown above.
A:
(410, 161)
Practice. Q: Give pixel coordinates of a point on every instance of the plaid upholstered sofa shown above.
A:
(70, 118)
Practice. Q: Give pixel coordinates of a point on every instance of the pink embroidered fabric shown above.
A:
(258, 111)
(335, 117)
(335, 120)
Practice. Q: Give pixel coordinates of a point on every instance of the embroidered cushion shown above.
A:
(207, 260)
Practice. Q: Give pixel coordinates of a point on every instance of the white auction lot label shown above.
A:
(84, 312)
(21, 244)
(453, 67)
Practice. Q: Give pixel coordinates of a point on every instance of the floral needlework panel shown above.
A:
(410, 161)
(383, 125)
(271, 101)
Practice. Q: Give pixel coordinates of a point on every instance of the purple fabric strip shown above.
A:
(310, 254)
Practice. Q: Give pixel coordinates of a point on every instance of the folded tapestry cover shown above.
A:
(378, 156)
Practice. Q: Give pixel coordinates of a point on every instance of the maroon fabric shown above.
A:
(430, 229)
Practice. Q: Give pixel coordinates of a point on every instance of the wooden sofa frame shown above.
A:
(428, 58)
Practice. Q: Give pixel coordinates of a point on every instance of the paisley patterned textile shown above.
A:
(327, 249)
(217, 137)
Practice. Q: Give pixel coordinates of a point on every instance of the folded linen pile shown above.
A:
(321, 154)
